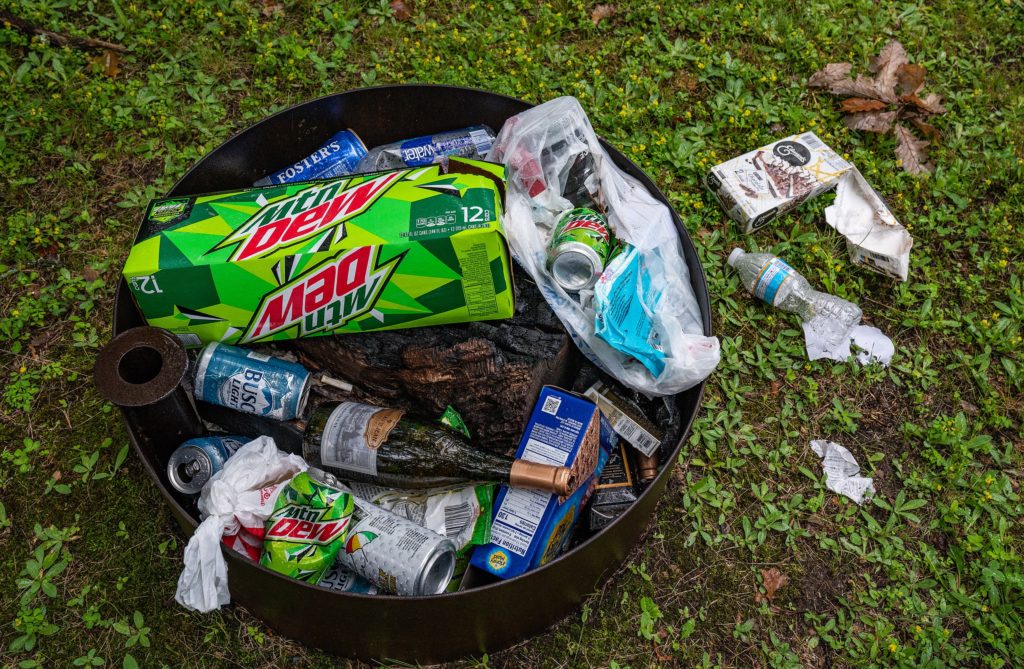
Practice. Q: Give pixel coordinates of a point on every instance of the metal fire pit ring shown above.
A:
(412, 629)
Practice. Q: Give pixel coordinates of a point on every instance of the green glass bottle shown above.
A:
(359, 442)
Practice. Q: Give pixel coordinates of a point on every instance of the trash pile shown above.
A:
(758, 187)
(327, 479)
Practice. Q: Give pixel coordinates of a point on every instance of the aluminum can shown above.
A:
(196, 461)
(397, 555)
(340, 155)
(250, 382)
(580, 246)
(472, 142)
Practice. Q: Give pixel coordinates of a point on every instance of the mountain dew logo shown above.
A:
(302, 523)
(326, 297)
(305, 215)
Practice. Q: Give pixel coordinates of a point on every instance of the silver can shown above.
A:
(580, 245)
(397, 555)
(575, 266)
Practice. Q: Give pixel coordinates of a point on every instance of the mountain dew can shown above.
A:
(395, 554)
(305, 532)
(580, 246)
(251, 382)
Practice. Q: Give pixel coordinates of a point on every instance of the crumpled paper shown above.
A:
(236, 497)
(842, 473)
(874, 238)
(871, 343)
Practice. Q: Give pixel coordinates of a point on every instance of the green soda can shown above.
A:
(580, 246)
(307, 529)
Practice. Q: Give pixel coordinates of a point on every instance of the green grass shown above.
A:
(928, 574)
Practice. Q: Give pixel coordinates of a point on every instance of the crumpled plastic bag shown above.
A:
(241, 495)
(539, 147)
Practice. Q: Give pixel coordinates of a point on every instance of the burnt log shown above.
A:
(489, 371)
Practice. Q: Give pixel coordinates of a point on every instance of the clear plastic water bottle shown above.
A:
(770, 279)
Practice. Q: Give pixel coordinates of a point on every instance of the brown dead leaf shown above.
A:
(773, 580)
(931, 104)
(602, 12)
(829, 74)
(56, 476)
(876, 121)
(886, 66)
(775, 387)
(89, 274)
(400, 10)
(927, 129)
(864, 87)
(910, 78)
(857, 105)
(272, 9)
(912, 152)
(108, 62)
(662, 656)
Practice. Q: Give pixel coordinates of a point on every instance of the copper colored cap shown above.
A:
(526, 474)
(647, 467)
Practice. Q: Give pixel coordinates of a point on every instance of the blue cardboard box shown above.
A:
(531, 527)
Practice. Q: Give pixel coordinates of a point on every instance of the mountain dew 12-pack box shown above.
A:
(379, 251)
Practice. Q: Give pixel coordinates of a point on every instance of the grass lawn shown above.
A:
(928, 574)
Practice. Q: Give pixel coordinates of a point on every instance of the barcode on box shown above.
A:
(812, 141)
(456, 518)
(551, 405)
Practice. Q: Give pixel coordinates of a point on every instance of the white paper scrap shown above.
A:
(873, 345)
(842, 473)
(874, 238)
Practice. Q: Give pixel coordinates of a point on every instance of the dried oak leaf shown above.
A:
(911, 151)
(875, 121)
(773, 580)
(270, 8)
(829, 74)
(927, 129)
(602, 12)
(931, 104)
(864, 87)
(108, 62)
(857, 105)
(910, 78)
(886, 65)
(400, 10)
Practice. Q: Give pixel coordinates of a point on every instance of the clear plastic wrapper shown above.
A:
(542, 148)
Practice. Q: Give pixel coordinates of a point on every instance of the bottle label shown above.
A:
(352, 435)
(772, 276)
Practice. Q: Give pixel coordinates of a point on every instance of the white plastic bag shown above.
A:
(241, 495)
(538, 146)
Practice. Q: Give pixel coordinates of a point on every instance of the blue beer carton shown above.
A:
(531, 527)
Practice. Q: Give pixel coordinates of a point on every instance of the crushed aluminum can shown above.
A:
(196, 461)
(250, 382)
(340, 155)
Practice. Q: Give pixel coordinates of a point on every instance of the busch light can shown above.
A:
(580, 246)
(196, 461)
(339, 156)
(250, 382)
